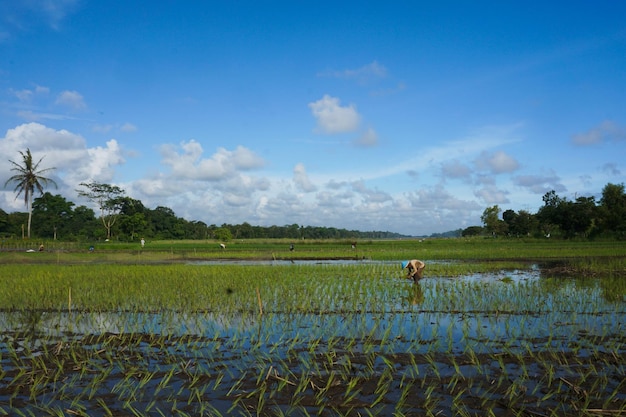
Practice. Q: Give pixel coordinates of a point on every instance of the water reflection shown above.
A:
(414, 294)
(488, 328)
(512, 307)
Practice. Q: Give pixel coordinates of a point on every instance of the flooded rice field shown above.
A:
(513, 343)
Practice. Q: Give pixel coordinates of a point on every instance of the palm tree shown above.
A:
(27, 179)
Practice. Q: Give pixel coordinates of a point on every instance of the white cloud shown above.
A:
(604, 132)
(21, 15)
(23, 95)
(370, 195)
(498, 162)
(301, 179)
(362, 74)
(540, 184)
(30, 102)
(102, 128)
(455, 169)
(491, 195)
(434, 209)
(221, 165)
(32, 116)
(332, 117)
(101, 162)
(26, 95)
(68, 152)
(128, 127)
(38, 137)
(72, 99)
(229, 185)
(125, 127)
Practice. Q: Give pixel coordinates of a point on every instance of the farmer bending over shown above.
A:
(415, 269)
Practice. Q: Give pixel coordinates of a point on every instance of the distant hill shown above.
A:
(451, 233)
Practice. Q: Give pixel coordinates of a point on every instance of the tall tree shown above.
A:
(52, 214)
(28, 179)
(613, 209)
(490, 219)
(109, 199)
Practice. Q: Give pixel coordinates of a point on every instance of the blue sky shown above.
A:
(404, 116)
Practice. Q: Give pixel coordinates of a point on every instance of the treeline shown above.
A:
(559, 216)
(126, 219)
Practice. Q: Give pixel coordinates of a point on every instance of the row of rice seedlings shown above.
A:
(335, 374)
(375, 317)
(229, 287)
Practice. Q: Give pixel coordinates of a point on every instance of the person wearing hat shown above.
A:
(415, 267)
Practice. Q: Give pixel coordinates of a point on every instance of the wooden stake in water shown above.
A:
(69, 300)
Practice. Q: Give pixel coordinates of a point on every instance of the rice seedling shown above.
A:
(348, 338)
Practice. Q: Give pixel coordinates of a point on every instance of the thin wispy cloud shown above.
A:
(22, 15)
(366, 72)
(367, 139)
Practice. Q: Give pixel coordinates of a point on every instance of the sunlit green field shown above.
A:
(428, 249)
(496, 327)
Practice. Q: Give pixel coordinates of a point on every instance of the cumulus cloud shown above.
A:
(190, 165)
(39, 137)
(434, 207)
(71, 99)
(604, 132)
(540, 184)
(102, 159)
(497, 163)
(490, 194)
(332, 117)
(370, 195)
(301, 179)
(68, 152)
(220, 187)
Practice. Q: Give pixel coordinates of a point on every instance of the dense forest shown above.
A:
(561, 217)
(123, 218)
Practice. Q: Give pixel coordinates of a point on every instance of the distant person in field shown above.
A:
(415, 269)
